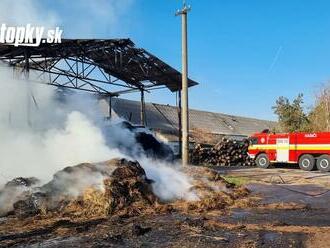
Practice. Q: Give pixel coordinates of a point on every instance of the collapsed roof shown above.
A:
(118, 63)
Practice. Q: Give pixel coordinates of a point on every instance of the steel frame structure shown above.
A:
(107, 67)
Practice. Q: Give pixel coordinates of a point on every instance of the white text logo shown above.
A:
(29, 35)
(310, 135)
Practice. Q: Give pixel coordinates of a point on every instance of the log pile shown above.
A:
(225, 153)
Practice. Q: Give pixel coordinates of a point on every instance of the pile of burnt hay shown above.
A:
(88, 190)
(12, 190)
(212, 190)
(127, 191)
(120, 187)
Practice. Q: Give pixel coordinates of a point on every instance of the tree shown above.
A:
(320, 114)
(291, 116)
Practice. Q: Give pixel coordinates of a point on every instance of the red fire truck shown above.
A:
(306, 149)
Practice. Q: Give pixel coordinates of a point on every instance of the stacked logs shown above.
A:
(225, 153)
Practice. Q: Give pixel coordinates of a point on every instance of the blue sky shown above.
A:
(244, 53)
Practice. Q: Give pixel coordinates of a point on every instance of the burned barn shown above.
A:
(113, 67)
(107, 67)
(205, 127)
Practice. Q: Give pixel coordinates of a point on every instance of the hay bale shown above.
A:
(128, 185)
(91, 203)
(124, 184)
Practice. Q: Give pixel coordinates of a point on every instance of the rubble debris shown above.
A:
(116, 239)
(30, 204)
(12, 190)
(138, 230)
(227, 152)
(21, 181)
(195, 222)
(51, 228)
(152, 147)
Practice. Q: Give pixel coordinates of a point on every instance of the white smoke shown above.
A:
(22, 12)
(170, 183)
(100, 17)
(41, 133)
(87, 18)
(40, 136)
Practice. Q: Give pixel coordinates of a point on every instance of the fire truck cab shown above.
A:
(309, 150)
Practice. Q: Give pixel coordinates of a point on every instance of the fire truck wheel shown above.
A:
(307, 162)
(323, 163)
(262, 161)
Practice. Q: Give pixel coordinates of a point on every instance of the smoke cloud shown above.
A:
(100, 17)
(22, 12)
(170, 183)
(44, 130)
(40, 135)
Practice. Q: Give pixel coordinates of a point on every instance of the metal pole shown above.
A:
(180, 123)
(184, 89)
(110, 107)
(142, 117)
(26, 77)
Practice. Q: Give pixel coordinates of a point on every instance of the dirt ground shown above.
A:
(286, 208)
(294, 204)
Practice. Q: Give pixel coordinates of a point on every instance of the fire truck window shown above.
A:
(253, 141)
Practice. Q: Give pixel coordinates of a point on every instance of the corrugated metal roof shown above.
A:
(165, 118)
